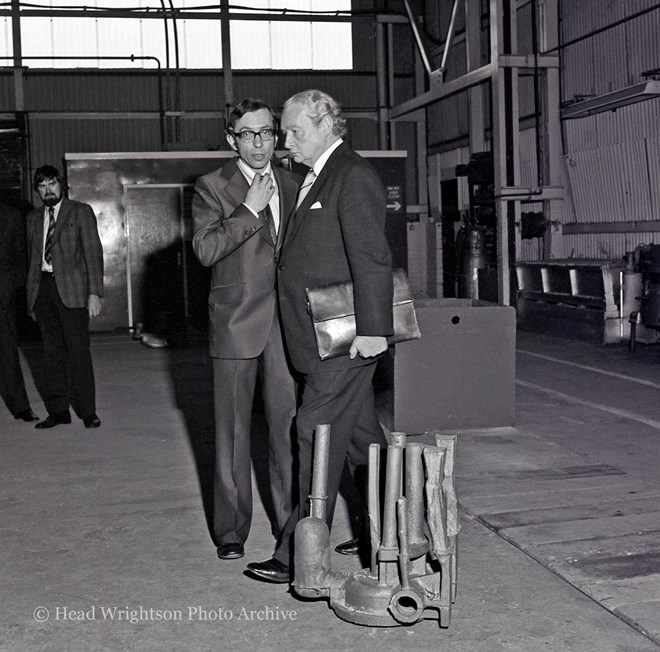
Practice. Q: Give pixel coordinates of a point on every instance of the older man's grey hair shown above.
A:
(318, 105)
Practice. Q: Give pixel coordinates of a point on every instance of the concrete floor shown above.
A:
(106, 546)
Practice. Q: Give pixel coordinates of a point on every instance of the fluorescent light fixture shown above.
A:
(637, 93)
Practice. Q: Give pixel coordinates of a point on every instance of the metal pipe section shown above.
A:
(404, 550)
(319, 495)
(418, 38)
(373, 504)
(312, 566)
(392, 494)
(450, 36)
(407, 606)
(399, 439)
(414, 484)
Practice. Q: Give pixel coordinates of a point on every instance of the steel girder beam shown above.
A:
(502, 71)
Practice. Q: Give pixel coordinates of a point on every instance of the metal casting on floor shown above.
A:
(413, 557)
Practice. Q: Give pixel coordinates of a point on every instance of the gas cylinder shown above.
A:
(473, 257)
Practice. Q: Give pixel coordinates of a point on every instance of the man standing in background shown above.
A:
(13, 267)
(64, 289)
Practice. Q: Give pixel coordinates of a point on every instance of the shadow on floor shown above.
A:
(191, 372)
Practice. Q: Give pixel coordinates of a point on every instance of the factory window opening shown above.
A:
(192, 43)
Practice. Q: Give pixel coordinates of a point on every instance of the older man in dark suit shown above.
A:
(337, 233)
(13, 266)
(64, 289)
(240, 212)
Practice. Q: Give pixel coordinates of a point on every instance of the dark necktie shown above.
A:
(270, 222)
(49, 234)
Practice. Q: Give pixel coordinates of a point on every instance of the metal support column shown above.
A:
(475, 93)
(391, 63)
(420, 119)
(502, 72)
(19, 94)
(506, 149)
(382, 81)
(226, 56)
(553, 244)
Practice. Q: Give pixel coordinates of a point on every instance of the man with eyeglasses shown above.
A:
(240, 212)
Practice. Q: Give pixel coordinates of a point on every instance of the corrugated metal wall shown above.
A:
(52, 138)
(91, 92)
(611, 159)
(51, 98)
(611, 183)
(611, 59)
(612, 166)
(611, 169)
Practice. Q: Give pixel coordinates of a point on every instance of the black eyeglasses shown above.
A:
(248, 136)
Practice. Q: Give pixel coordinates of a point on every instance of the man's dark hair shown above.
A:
(46, 173)
(248, 105)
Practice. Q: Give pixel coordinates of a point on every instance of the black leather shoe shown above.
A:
(92, 421)
(230, 550)
(272, 570)
(26, 415)
(350, 547)
(56, 419)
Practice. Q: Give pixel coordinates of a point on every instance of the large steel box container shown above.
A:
(461, 373)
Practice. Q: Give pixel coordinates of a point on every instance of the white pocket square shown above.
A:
(316, 204)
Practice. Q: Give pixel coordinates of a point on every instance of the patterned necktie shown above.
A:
(49, 234)
(306, 186)
(270, 222)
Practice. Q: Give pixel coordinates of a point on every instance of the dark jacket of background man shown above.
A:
(13, 268)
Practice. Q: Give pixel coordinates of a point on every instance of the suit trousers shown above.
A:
(67, 364)
(12, 384)
(343, 399)
(234, 383)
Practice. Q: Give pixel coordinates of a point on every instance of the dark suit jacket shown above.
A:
(13, 257)
(337, 233)
(76, 255)
(228, 237)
